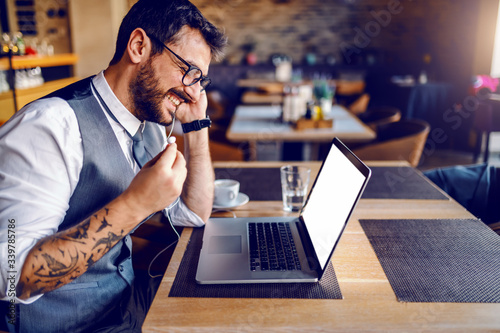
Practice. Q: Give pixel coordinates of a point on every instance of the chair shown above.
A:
(359, 105)
(218, 151)
(375, 117)
(486, 120)
(352, 95)
(401, 140)
(350, 87)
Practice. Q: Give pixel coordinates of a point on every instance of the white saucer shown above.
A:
(241, 199)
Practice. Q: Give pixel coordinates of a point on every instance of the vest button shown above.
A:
(120, 268)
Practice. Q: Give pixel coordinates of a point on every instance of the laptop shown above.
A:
(231, 254)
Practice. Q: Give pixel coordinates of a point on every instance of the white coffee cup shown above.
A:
(226, 192)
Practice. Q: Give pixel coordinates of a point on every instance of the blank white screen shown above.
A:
(330, 202)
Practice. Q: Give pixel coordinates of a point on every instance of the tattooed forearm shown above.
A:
(54, 268)
(79, 234)
(59, 259)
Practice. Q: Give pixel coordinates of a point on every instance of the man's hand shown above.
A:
(194, 109)
(159, 182)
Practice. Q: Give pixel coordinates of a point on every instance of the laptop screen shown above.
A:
(331, 200)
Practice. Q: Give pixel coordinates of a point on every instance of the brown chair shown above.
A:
(218, 151)
(349, 87)
(375, 117)
(360, 104)
(401, 140)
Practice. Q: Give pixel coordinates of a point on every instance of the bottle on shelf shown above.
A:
(19, 43)
(4, 85)
(6, 44)
(29, 78)
(309, 110)
(14, 43)
(286, 115)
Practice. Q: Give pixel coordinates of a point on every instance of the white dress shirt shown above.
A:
(41, 156)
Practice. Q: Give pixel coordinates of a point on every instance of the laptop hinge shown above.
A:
(308, 247)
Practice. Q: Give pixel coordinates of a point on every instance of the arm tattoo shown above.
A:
(80, 233)
(104, 224)
(56, 268)
(109, 241)
(55, 264)
(91, 261)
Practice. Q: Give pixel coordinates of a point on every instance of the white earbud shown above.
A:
(171, 140)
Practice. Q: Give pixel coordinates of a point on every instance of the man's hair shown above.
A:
(164, 19)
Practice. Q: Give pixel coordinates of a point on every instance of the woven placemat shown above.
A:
(260, 184)
(456, 260)
(264, 184)
(185, 285)
(400, 183)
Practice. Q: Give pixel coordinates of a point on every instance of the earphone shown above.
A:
(171, 139)
(166, 248)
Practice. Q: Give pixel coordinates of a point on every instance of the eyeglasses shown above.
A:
(193, 74)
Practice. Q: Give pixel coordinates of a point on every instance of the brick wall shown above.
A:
(399, 34)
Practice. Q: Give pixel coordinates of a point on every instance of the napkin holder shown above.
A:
(303, 123)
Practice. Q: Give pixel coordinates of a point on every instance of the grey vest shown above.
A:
(93, 299)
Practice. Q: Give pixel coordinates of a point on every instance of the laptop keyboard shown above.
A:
(272, 247)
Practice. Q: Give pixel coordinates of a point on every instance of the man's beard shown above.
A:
(147, 97)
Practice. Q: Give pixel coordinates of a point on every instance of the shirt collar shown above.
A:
(124, 117)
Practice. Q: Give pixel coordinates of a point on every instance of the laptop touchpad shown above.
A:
(224, 244)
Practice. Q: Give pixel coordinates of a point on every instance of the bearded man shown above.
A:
(82, 168)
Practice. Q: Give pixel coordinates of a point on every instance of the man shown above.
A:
(71, 184)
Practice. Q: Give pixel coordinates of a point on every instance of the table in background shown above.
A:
(264, 91)
(261, 123)
(369, 303)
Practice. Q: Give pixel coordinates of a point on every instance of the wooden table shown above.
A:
(369, 302)
(261, 123)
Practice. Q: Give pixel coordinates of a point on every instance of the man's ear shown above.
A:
(139, 46)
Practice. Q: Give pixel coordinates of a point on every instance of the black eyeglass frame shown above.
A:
(204, 80)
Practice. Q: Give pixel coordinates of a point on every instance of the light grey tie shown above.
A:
(138, 148)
